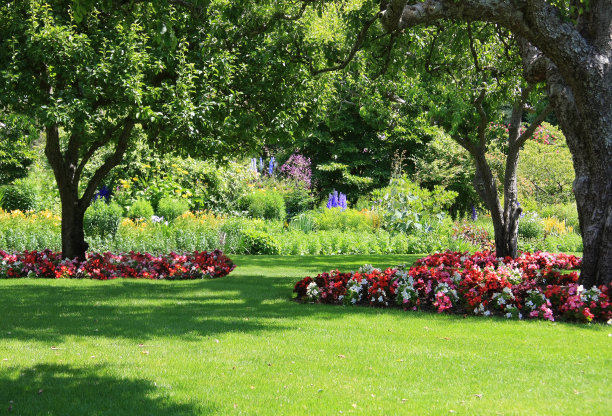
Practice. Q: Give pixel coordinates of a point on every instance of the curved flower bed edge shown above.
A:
(530, 286)
(107, 266)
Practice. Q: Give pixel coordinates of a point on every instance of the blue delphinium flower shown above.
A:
(336, 200)
(104, 193)
(474, 215)
(271, 166)
(342, 201)
(261, 167)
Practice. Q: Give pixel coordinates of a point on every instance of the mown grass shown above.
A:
(239, 345)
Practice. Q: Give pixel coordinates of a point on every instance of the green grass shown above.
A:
(239, 345)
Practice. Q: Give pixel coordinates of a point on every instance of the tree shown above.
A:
(196, 77)
(568, 44)
(466, 92)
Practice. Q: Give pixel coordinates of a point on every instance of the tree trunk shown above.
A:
(486, 187)
(586, 121)
(73, 235)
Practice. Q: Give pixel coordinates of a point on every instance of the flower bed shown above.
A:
(105, 266)
(530, 286)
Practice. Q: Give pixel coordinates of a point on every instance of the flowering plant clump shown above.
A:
(539, 285)
(336, 200)
(297, 168)
(105, 266)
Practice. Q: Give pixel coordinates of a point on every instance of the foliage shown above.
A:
(97, 75)
(17, 197)
(405, 207)
(545, 170)
(102, 219)
(29, 231)
(345, 220)
(468, 231)
(266, 204)
(16, 154)
(445, 163)
(259, 242)
(170, 208)
(530, 226)
(141, 209)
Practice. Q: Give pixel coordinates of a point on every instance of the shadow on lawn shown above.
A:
(48, 311)
(53, 389)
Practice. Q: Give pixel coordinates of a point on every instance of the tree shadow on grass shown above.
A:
(50, 311)
(52, 389)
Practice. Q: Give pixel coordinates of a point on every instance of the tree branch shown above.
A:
(472, 48)
(356, 47)
(535, 20)
(517, 115)
(482, 124)
(534, 125)
(109, 163)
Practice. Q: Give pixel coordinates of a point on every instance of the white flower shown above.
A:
(509, 315)
(381, 299)
(487, 313)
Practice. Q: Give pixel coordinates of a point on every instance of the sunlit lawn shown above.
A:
(239, 345)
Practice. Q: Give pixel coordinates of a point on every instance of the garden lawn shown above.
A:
(239, 345)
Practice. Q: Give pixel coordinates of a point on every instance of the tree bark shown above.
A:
(578, 66)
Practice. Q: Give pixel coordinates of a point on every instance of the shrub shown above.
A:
(171, 208)
(530, 226)
(298, 199)
(102, 219)
(16, 197)
(265, 204)
(140, 209)
(345, 220)
(259, 242)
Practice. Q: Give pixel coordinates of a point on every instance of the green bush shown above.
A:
(140, 209)
(349, 219)
(298, 199)
(530, 226)
(16, 197)
(266, 204)
(259, 242)
(102, 219)
(171, 208)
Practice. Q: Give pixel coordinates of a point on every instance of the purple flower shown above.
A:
(297, 168)
(474, 214)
